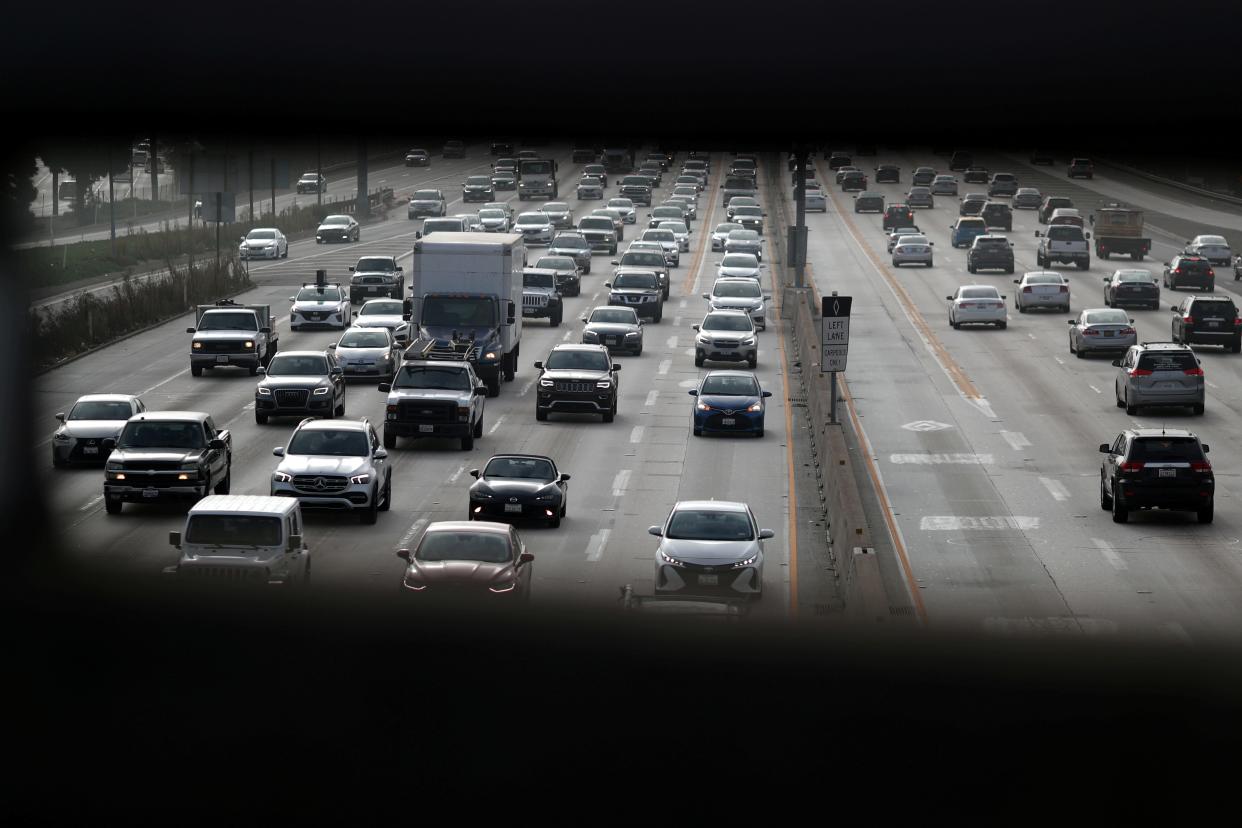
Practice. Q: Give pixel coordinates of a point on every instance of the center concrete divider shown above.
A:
(849, 531)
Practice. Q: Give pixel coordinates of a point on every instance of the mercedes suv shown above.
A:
(335, 465)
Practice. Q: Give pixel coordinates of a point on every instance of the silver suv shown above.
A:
(1159, 373)
(335, 464)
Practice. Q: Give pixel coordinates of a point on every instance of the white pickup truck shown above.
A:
(1063, 243)
(242, 539)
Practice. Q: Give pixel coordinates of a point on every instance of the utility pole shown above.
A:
(250, 181)
(799, 234)
(111, 201)
(319, 168)
(363, 204)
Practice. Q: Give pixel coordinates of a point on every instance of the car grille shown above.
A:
(220, 346)
(291, 397)
(726, 343)
(740, 420)
(320, 483)
(636, 299)
(536, 301)
(575, 387)
(374, 280)
(165, 474)
(449, 352)
(225, 574)
(427, 411)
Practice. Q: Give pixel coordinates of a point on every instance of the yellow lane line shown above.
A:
(704, 233)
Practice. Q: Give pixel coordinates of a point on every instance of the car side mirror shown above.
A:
(381, 454)
(336, 372)
(1103, 448)
(694, 327)
(216, 444)
(108, 444)
(615, 368)
(191, 330)
(404, 554)
(539, 365)
(1116, 363)
(582, 318)
(767, 393)
(1017, 281)
(294, 544)
(1206, 448)
(1107, 279)
(1038, 234)
(655, 530)
(564, 477)
(614, 261)
(764, 534)
(1074, 321)
(480, 389)
(400, 269)
(351, 268)
(525, 558)
(1173, 308)
(1086, 235)
(385, 387)
(279, 451)
(694, 392)
(950, 298)
(174, 538)
(60, 416)
(1004, 296)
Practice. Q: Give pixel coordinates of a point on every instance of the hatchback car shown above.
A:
(367, 352)
(726, 336)
(920, 197)
(710, 547)
(990, 253)
(897, 215)
(458, 561)
(340, 228)
(976, 175)
(740, 293)
(92, 419)
(916, 249)
(971, 204)
(1081, 168)
(1187, 270)
(1027, 198)
(1132, 287)
(944, 185)
(888, 174)
(1213, 248)
(854, 181)
(744, 241)
(1149, 468)
(814, 199)
(515, 486)
(923, 176)
(1042, 289)
(728, 402)
(1159, 374)
(868, 202)
(1208, 320)
(616, 328)
(1101, 329)
(977, 304)
(966, 229)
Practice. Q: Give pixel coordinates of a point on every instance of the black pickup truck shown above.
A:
(167, 455)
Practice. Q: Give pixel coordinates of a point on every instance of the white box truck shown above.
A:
(467, 290)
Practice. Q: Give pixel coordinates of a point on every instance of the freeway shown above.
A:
(625, 474)
(986, 440)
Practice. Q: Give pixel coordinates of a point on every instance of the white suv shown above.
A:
(335, 464)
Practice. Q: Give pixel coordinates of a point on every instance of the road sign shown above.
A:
(834, 333)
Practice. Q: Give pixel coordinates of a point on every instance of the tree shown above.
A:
(86, 162)
(19, 193)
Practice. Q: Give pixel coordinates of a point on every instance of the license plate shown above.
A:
(614, 340)
(1213, 324)
(1108, 333)
(427, 429)
(1168, 472)
(709, 580)
(150, 492)
(222, 358)
(727, 420)
(513, 507)
(90, 449)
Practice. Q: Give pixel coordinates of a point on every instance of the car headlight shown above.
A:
(703, 406)
(592, 335)
(668, 559)
(604, 384)
(60, 437)
(263, 392)
(249, 343)
(754, 407)
(503, 587)
(746, 562)
(197, 346)
(634, 334)
(490, 355)
(321, 391)
(359, 479)
(281, 477)
(750, 340)
(550, 497)
(703, 339)
(546, 383)
(414, 585)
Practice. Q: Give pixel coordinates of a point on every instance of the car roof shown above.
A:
(571, 346)
(728, 312)
(366, 329)
(335, 424)
(1163, 346)
(106, 398)
(480, 526)
(522, 455)
(611, 308)
(540, 271)
(298, 353)
(169, 416)
(436, 363)
(710, 505)
(731, 372)
(1160, 432)
(245, 504)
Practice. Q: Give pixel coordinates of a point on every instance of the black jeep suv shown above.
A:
(1156, 468)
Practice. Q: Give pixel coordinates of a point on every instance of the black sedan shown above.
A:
(516, 486)
(976, 175)
(1132, 287)
(888, 174)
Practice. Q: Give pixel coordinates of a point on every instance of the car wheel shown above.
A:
(113, 505)
(368, 515)
(467, 442)
(493, 386)
(752, 362)
(1120, 513)
(196, 371)
(222, 488)
(970, 268)
(1106, 502)
(611, 413)
(541, 414)
(390, 440)
(698, 361)
(1130, 409)
(697, 432)
(260, 419)
(1198, 408)
(1002, 325)
(387, 504)
(340, 409)
(1205, 514)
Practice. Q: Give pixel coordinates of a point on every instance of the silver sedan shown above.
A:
(1213, 248)
(625, 207)
(722, 232)
(1027, 198)
(1101, 329)
(744, 241)
(944, 185)
(913, 250)
(981, 304)
(1042, 289)
(920, 197)
(367, 352)
(739, 265)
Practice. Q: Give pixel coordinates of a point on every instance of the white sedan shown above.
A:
(1042, 289)
(913, 250)
(1213, 248)
(264, 243)
(977, 304)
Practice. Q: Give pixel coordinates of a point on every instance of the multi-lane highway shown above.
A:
(625, 475)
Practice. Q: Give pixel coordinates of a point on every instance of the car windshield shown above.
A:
(521, 468)
(594, 169)
(441, 224)
(491, 214)
(101, 410)
(742, 201)
(157, 434)
(480, 180)
(730, 385)
(364, 339)
(743, 235)
(376, 264)
(709, 525)
(615, 316)
(1166, 450)
(971, 224)
(309, 177)
(318, 295)
(979, 293)
(643, 257)
(427, 376)
(1168, 361)
(577, 361)
(991, 244)
(595, 223)
(298, 365)
(336, 220)
(1028, 191)
(344, 443)
(576, 242)
(260, 235)
(426, 195)
(726, 322)
(589, 181)
(227, 321)
(659, 236)
(747, 210)
(636, 280)
(746, 289)
(233, 530)
(538, 280)
(620, 202)
(556, 263)
(532, 218)
(382, 309)
(487, 547)
(556, 207)
(458, 311)
(530, 167)
(1134, 276)
(1106, 317)
(740, 260)
(739, 182)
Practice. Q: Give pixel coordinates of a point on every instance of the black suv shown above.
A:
(502, 148)
(1208, 320)
(868, 202)
(1189, 270)
(839, 159)
(1081, 168)
(888, 174)
(1156, 468)
(637, 289)
(578, 379)
(997, 214)
(898, 215)
(976, 175)
(990, 253)
(854, 181)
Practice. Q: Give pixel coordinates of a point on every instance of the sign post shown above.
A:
(834, 342)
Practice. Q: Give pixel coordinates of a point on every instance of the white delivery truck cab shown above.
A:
(243, 539)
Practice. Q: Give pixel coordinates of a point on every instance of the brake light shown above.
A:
(1211, 272)
(1090, 332)
(1131, 466)
(1193, 372)
(1189, 320)
(1200, 466)
(1178, 271)
(1027, 289)
(1064, 289)
(1237, 321)
(1126, 331)
(1140, 372)
(392, 409)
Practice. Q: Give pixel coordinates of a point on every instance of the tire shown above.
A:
(555, 321)
(1120, 513)
(970, 268)
(1002, 325)
(541, 414)
(260, 419)
(1106, 501)
(955, 325)
(1198, 408)
(222, 488)
(1117, 400)
(1236, 347)
(340, 409)
(698, 361)
(759, 433)
(697, 432)
(390, 440)
(493, 386)
(368, 516)
(113, 505)
(1210, 287)
(467, 442)
(1205, 514)
(752, 362)
(478, 428)
(254, 370)
(1130, 409)
(611, 413)
(196, 371)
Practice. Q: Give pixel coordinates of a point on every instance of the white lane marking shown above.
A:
(926, 425)
(496, 424)
(620, 482)
(664, 366)
(453, 477)
(1176, 632)
(529, 384)
(1031, 335)
(1213, 385)
(636, 435)
(1093, 388)
(595, 549)
(414, 529)
(937, 458)
(651, 398)
(942, 523)
(682, 303)
(567, 335)
(90, 504)
(676, 321)
(985, 407)
(672, 342)
(162, 382)
(1110, 554)
(1055, 488)
(595, 296)
(1016, 440)
(1059, 360)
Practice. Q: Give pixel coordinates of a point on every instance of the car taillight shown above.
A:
(392, 409)
(1189, 320)
(1064, 289)
(1140, 372)
(1027, 289)
(1126, 331)
(1131, 467)
(1211, 272)
(1193, 372)
(1090, 332)
(1200, 466)
(1178, 271)
(1237, 321)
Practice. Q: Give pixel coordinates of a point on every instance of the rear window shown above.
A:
(739, 182)
(1168, 361)
(1215, 307)
(1165, 450)
(968, 224)
(1065, 232)
(980, 293)
(1193, 264)
(991, 244)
